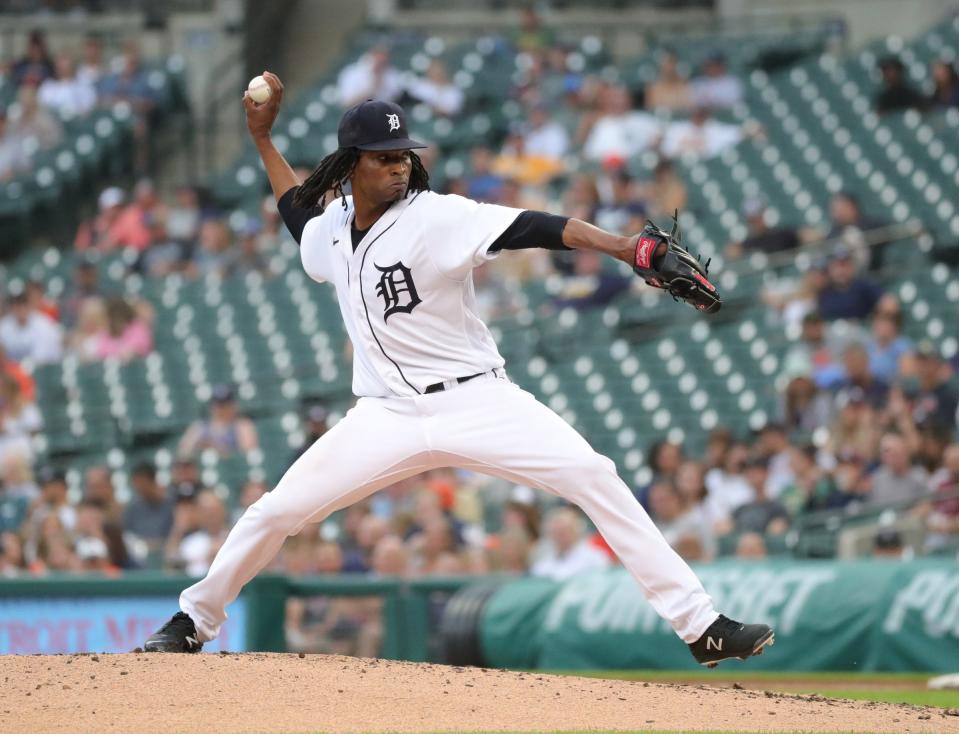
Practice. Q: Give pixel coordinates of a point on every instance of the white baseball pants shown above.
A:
(488, 425)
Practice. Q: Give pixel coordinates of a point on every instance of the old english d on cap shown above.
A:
(375, 125)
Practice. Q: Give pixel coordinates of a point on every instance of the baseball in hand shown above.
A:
(259, 89)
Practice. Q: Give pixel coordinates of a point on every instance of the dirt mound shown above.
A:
(288, 693)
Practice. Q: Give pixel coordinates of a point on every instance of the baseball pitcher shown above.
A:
(431, 386)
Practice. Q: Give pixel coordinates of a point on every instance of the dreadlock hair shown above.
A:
(334, 172)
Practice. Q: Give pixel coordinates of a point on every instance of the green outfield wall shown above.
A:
(843, 616)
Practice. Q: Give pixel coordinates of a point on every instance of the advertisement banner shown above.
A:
(99, 624)
(857, 616)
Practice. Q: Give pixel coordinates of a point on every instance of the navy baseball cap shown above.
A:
(375, 125)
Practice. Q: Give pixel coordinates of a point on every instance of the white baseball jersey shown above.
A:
(406, 293)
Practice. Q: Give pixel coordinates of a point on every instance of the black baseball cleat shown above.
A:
(726, 639)
(177, 635)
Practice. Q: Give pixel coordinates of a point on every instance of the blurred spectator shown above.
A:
(936, 403)
(24, 380)
(436, 90)
(510, 552)
(183, 218)
(13, 506)
(20, 415)
(619, 202)
(614, 131)
(762, 514)
(665, 193)
(858, 383)
(164, 255)
(132, 227)
(316, 424)
(251, 491)
(13, 153)
(245, 256)
(128, 334)
(11, 555)
(895, 93)
(946, 84)
(591, 286)
(679, 520)
(98, 491)
(66, 94)
(91, 326)
(855, 430)
(700, 136)
(567, 550)
(887, 346)
(99, 547)
(370, 77)
(532, 36)
(26, 334)
(213, 256)
(773, 444)
(198, 544)
(483, 184)
(38, 301)
(108, 230)
(32, 122)
(433, 549)
(795, 300)
(888, 544)
(225, 431)
(751, 547)
(761, 237)
(805, 407)
(847, 295)
(812, 488)
(716, 88)
(670, 90)
(718, 443)
(273, 228)
(515, 165)
(849, 224)
(16, 478)
(813, 354)
(131, 84)
(85, 284)
(91, 70)
(545, 137)
(52, 503)
(897, 479)
(581, 197)
(727, 485)
(36, 65)
(149, 513)
(941, 516)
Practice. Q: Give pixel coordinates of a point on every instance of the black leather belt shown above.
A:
(440, 386)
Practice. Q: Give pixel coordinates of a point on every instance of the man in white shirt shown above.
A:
(370, 77)
(27, 334)
(546, 138)
(620, 132)
(569, 551)
(436, 90)
(66, 94)
(699, 136)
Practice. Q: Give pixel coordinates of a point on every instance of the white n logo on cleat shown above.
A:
(194, 642)
(711, 643)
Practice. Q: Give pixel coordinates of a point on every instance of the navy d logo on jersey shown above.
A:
(397, 290)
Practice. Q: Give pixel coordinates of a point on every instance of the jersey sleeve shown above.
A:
(461, 232)
(315, 245)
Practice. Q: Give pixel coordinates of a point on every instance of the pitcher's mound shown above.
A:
(317, 693)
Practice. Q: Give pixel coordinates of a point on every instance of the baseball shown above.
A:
(259, 89)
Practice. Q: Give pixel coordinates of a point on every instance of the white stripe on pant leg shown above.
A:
(498, 429)
(352, 460)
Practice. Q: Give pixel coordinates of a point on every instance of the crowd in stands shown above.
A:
(867, 417)
(53, 87)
